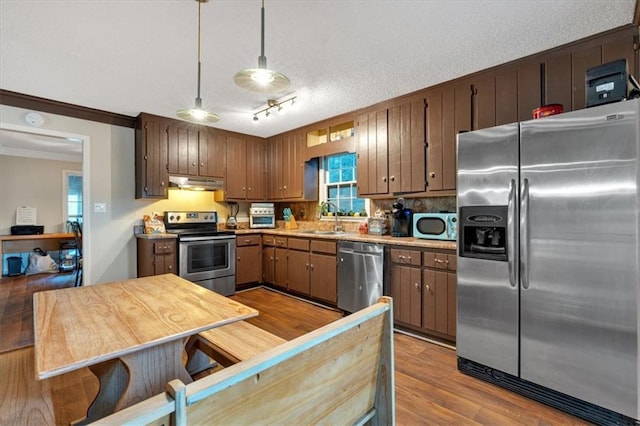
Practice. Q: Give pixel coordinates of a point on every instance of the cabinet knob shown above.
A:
(427, 287)
(284, 187)
(170, 267)
(249, 188)
(416, 285)
(311, 266)
(162, 183)
(432, 174)
(393, 178)
(238, 258)
(244, 188)
(201, 164)
(384, 179)
(193, 164)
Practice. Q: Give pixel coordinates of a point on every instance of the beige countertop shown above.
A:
(354, 236)
(154, 236)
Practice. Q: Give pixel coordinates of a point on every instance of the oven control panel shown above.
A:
(176, 218)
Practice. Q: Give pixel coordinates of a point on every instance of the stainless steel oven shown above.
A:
(206, 256)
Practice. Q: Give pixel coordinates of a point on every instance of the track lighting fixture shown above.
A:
(273, 105)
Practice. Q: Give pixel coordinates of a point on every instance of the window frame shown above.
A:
(323, 186)
(65, 195)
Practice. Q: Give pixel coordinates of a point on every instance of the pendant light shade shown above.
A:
(197, 113)
(262, 79)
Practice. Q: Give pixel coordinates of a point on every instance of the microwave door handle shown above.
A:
(524, 234)
(511, 234)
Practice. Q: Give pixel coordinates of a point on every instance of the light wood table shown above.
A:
(129, 333)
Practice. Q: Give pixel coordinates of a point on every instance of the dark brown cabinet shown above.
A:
(373, 156)
(289, 176)
(156, 256)
(248, 259)
(407, 146)
(152, 176)
(423, 286)
(323, 277)
(274, 260)
(195, 150)
(448, 113)
(298, 266)
(245, 168)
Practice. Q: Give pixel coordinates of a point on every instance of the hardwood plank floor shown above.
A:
(429, 388)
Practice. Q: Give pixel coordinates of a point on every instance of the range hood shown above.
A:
(196, 183)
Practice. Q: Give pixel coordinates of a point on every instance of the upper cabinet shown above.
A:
(289, 175)
(371, 147)
(246, 170)
(152, 177)
(330, 137)
(195, 150)
(407, 146)
(448, 113)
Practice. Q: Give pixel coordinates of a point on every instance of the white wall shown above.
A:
(33, 182)
(108, 173)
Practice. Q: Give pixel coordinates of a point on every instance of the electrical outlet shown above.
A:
(100, 207)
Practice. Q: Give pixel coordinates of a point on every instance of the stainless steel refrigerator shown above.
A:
(548, 266)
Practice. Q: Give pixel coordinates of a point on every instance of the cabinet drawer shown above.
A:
(164, 247)
(299, 244)
(439, 260)
(269, 240)
(281, 241)
(323, 246)
(405, 257)
(247, 240)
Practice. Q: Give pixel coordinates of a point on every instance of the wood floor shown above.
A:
(429, 388)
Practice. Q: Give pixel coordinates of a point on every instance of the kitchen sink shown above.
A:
(322, 232)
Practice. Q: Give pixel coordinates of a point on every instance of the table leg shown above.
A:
(135, 377)
(150, 370)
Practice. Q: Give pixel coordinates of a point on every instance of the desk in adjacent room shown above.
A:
(26, 243)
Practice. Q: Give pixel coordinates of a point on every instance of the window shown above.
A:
(339, 184)
(73, 196)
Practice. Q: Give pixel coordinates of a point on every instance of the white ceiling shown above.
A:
(129, 56)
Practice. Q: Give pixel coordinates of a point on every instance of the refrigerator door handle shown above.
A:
(524, 234)
(511, 231)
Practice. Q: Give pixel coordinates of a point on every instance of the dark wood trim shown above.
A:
(20, 100)
(636, 14)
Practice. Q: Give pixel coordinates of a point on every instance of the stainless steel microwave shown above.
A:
(435, 226)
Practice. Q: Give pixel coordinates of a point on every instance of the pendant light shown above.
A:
(197, 113)
(261, 79)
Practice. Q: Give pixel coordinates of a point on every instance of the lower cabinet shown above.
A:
(248, 259)
(156, 256)
(302, 266)
(423, 286)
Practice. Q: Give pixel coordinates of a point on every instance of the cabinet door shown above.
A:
(236, 181)
(298, 271)
(452, 286)
(621, 48)
(506, 97)
(581, 61)
(407, 146)
(281, 267)
(484, 103)
(274, 168)
(255, 169)
(429, 299)
(434, 141)
(211, 146)
(529, 90)
(323, 278)
(268, 265)
(292, 166)
(152, 177)
(557, 81)
(372, 167)
(248, 261)
(183, 149)
(406, 290)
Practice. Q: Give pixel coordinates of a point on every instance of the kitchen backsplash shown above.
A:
(308, 211)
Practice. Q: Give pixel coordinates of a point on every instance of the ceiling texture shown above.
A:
(132, 56)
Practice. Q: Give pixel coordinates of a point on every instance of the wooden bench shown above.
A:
(341, 373)
(229, 344)
(23, 399)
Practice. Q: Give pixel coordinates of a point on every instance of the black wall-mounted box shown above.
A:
(609, 82)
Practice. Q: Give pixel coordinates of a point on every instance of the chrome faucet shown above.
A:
(336, 227)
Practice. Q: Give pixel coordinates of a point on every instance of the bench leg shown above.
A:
(197, 361)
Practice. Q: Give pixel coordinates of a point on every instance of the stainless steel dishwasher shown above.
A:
(360, 274)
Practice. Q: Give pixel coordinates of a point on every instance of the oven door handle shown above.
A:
(206, 238)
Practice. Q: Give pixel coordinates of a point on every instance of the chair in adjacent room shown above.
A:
(76, 228)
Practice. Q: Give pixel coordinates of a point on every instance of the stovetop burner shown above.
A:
(203, 223)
